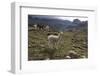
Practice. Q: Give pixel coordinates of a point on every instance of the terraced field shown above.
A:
(38, 48)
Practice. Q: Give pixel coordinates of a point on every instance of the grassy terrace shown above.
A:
(38, 48)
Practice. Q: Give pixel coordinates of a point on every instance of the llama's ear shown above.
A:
(55, 33)
(48, 34)
(61, 32)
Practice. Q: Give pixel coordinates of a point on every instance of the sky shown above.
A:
(71, 18)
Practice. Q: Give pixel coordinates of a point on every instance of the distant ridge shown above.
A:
(57, 24)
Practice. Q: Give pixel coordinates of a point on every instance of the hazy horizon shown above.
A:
(70, 18)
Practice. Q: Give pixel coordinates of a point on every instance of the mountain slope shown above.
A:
(57, 24)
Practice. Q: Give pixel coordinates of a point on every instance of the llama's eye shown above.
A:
(48, 34)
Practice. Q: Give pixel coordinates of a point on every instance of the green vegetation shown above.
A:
(38, 48)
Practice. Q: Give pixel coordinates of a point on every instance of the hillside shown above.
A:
(55, 23)
(38, 48)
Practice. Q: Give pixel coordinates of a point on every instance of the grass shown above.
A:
(38, 48)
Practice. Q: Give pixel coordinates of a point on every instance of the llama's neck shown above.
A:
(59, 35)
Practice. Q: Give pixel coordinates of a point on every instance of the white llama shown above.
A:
(47, 28)
(35, 26)
(53, 40)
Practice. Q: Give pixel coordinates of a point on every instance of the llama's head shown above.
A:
(61, 32)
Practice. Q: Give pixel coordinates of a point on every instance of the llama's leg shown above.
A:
(53, 46)
(56, 45)
(59, 42)
(49, 44)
